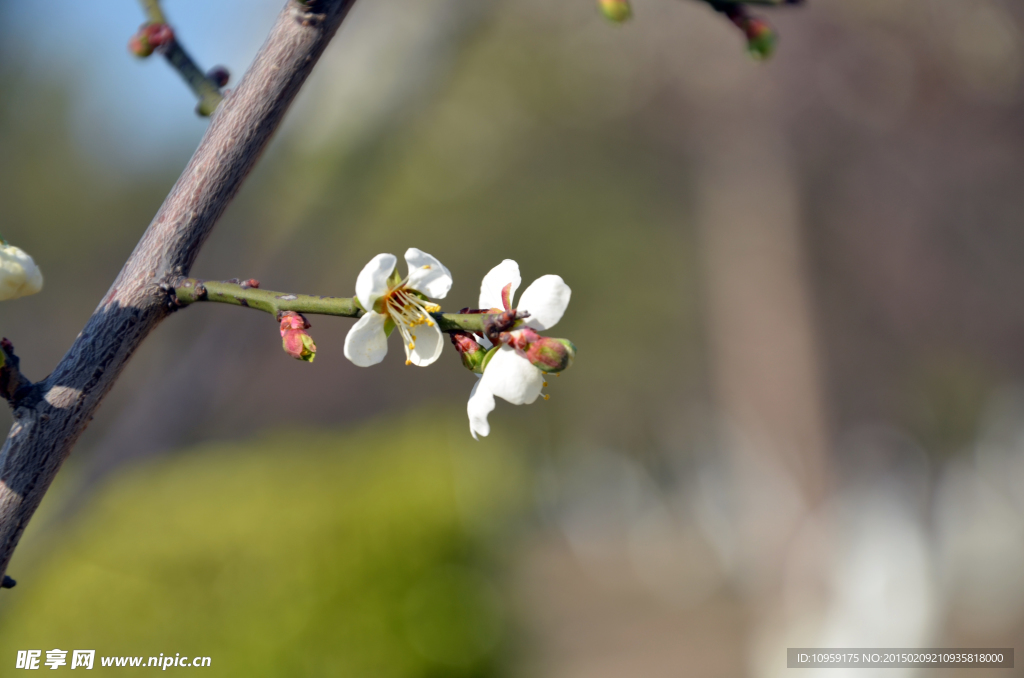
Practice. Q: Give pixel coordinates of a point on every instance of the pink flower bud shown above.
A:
(149, 37)
(294, 339)
(470, 351)
(159, 34)
(290, 320)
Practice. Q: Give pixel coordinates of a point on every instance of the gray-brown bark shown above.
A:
(51, 415)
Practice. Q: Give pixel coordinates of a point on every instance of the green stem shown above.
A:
(154, 14)
(206, 90)
(191, 290)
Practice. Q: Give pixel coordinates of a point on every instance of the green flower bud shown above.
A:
(551, 355)
(139, 46)
(618, 11)
(761, 39)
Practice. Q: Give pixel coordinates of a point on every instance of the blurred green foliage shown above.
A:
(362, 554)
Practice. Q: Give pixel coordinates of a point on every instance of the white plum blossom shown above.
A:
(509, 374)
(19, 275)
(397, 303)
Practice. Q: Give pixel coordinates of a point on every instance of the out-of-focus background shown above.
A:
(796, 416)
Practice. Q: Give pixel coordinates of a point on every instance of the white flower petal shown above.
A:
(19, 275)
(428, 345)
(494, 282)
(546, 299)
(481, 403)
(427, 274)
(366, 344)
(372, 283)
(509, 375)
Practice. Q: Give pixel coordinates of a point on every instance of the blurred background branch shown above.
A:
(157, 34)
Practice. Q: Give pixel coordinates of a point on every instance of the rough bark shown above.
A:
(50, 416)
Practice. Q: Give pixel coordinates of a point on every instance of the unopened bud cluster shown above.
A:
(547, 354)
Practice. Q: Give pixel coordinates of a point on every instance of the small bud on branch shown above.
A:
(618, 11)
(219, 75)
(296, 341)
(471, 353)
(149, 38)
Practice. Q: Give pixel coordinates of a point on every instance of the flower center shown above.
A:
(407, 311)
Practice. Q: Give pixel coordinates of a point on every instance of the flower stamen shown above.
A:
(408, 310)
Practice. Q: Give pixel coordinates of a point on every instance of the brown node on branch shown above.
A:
(497, 323)
(13, 384)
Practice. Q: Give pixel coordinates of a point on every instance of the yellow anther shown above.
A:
(546, 396)
(408, 362)
(545, 383)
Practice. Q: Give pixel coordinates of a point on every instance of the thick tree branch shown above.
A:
(50, 420)
(191, 290)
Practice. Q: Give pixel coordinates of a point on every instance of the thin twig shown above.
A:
(153, 11)
(192, 290)
(205, 89)
(49, 420)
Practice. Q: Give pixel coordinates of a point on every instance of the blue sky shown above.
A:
(142, 104)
